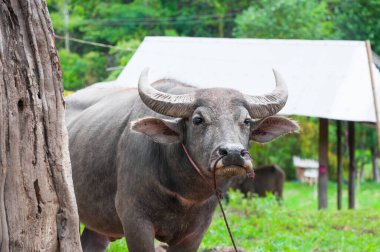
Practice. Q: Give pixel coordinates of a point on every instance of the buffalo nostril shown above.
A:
(243, 152)
(223, 151)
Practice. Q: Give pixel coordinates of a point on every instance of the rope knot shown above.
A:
(219, 194)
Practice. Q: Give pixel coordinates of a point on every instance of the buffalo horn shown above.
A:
(164, 103)
(268, 104)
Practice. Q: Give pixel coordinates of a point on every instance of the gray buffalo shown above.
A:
(131, 175)
(268, 178)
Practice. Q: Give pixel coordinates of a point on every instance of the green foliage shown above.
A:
(358, 20)
(112, 21)
(118, 22)
(287, 19)
(95, 70)
(79, 72)
(73, 68)
(125, 23)
(122, 54)
(282, 150)
(202, 18)
(261, 224)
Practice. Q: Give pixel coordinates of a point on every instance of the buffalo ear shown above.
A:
(271, 127)
(159, 130)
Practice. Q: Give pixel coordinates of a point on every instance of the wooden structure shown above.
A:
(352, 168)
(323, 149)
(323, 163)
(325, 87)
(306, 170)
(339, 163)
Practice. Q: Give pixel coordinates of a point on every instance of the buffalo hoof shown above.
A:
(162, 247)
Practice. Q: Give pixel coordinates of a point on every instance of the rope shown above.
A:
(96, 44)
(195, 165)
(175, 19)
(217, 192)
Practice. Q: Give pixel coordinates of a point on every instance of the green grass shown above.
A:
(262, 225)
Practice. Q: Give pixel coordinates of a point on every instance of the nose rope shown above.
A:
(195, 165)
(217, 192)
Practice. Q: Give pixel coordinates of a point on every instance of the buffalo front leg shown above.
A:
(162, 247)
(139, 235)
(93, 242)
(189, 244)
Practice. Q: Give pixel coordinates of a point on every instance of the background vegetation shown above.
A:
(124, 24)
(261, 224)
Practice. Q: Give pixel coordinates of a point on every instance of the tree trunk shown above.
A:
(38, 211)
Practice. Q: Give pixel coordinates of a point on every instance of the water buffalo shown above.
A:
(131, 175)
(269, 178)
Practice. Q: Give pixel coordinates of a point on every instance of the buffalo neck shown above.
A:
(179, 176)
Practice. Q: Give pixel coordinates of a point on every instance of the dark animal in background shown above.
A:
(269, 178)
(131, 175)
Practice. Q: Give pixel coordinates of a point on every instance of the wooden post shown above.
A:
(376, 105)
(375, 166)
(323, 162)
(339, 162)
(352, 171)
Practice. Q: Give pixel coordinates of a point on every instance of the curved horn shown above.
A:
(164, 103)
(269, 104)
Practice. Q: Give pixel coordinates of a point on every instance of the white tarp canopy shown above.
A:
(327, 79)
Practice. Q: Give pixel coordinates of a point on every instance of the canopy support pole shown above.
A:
(339, 162)
(369, 56)
(323, 163)
(352, 171)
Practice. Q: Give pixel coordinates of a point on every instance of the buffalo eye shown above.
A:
(197, 120)
(247, 121)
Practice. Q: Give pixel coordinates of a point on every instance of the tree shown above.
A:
(37, 202)
(358, 20)
(118, 22)
(285, 19)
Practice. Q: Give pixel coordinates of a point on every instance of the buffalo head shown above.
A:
(215, 122)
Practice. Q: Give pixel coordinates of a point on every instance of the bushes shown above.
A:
(282, 150)
(287, 19)
(78, 72)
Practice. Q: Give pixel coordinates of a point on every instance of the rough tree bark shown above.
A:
(37, 202)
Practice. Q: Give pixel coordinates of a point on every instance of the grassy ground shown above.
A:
(262, 225)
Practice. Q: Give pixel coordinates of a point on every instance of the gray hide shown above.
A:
(138, 182)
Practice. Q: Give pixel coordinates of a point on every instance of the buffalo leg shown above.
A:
(93, 242)
(162, 247)
(139, 236)
(190, 244)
